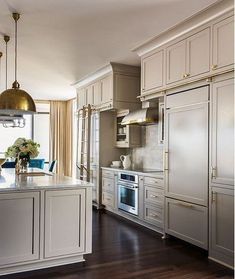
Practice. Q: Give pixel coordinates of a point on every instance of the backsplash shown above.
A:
(150, 155)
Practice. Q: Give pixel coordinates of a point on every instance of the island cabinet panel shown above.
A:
(223, 44)
(152, 71)
(222, 122)
(19, 232)
(64, 222)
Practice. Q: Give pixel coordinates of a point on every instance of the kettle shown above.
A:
(126, 161)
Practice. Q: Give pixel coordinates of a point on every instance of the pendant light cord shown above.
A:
(15, 49)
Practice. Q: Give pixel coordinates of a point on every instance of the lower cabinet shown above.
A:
(19, 222)
(108, 189)
(64, 222)
(187, 221)
(222, 225)
(153, 215)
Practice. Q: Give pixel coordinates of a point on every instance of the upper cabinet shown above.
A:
(223, 44)
(152, 71)
(189, 58)
(193, 50)
(114, 87)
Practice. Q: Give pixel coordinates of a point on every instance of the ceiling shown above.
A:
(61, 41)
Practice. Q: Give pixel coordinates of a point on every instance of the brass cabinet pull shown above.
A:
(213, 197)
(166, 160)
(185, 204)
(153, 196)
(153, 215)
(214, 67)
(213, 172)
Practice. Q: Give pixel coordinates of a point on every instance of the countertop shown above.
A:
(11, 182)
(147, 172)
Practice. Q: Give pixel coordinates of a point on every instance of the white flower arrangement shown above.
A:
(23, 148)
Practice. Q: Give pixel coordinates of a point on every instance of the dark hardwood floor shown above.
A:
(124, 250)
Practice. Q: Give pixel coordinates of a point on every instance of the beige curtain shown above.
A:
(61, 135)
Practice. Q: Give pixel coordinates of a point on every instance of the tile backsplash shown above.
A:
(150, 155)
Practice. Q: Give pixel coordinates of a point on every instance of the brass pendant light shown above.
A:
(16, 101)
(10, 121)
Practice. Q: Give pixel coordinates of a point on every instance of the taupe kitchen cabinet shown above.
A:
(115, 86)
(222, 225)
(106, 85)
(186, 165)
(222, 135)
(187, 221)
(19, 241)
(153, 201)
(127, 136)
(108, 188)
(189, 57)
(152, 71)
(223, 44)
(186, 145)
(64, 222)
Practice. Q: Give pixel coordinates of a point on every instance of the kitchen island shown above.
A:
(45, 221)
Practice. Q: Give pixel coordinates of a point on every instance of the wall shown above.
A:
(150, 155)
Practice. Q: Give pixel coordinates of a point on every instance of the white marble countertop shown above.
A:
(11, 182)
(155, 173)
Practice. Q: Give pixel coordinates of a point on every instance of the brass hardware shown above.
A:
(153, 196)
(213, 197)
(184, 75)
(153, 215)
(166, 160)
(213, 172)
(185, 204)
(214, 67)
(188, 74)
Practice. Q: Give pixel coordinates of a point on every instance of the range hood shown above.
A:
(145, 116)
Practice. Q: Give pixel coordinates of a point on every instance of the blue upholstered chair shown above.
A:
(37, 163)
(52, 166)
(9, 165)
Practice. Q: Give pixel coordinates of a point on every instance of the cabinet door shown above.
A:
(90, 95)
(187, 221)
(106, 89)
(222, 225)
(64, 222)
(223, 44)
(223, 132)
(19, 234)
(176, 62)
(198, 53)
(152, 71)
(187, 147)
(82, 97)
(97, 93)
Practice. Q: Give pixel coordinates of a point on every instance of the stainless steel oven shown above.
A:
(128, 192)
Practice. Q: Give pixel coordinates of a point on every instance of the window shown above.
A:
(41, 129)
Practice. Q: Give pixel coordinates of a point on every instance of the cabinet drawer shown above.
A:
(154, 195)
(108, 199)
(108, 185)
(153, 215)
(108, 173)
(187, 221)
(153, 181)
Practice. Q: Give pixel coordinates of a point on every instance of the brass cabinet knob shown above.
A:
(214, 67)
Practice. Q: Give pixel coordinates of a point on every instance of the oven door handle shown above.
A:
(128, 186)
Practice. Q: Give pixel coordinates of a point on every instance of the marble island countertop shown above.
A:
(11, 182)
